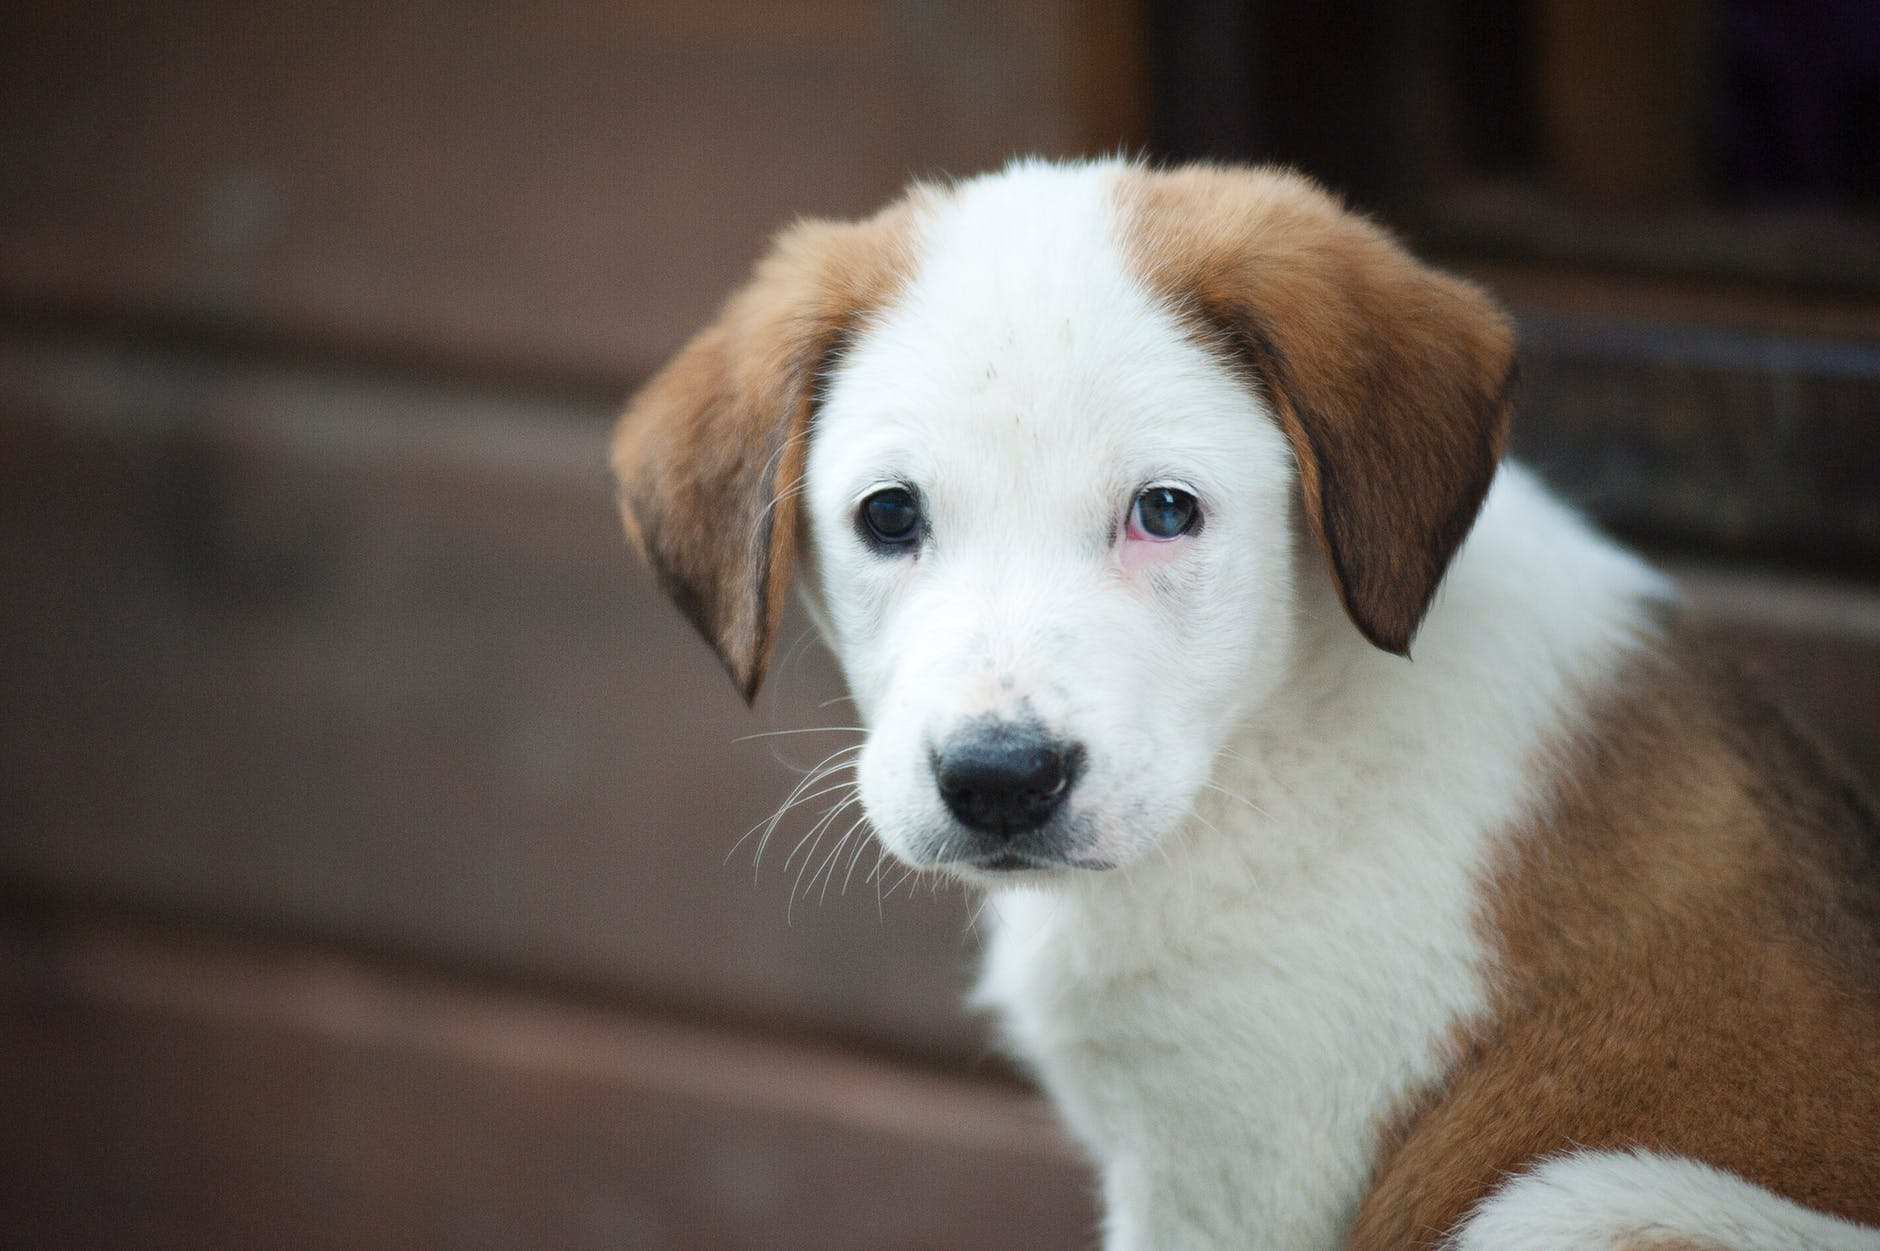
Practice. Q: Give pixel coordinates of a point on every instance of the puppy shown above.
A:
(1121, 496)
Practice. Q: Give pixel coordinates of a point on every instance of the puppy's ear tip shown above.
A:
(1396, 641)
(1384, 619)
(749, 682)
(744, 658)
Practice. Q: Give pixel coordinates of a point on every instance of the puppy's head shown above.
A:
(1047, 443)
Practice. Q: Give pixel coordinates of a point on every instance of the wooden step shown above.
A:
(172, 1092)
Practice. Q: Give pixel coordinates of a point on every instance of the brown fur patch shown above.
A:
(709, 455)
(1689, 948)
(1389, 378)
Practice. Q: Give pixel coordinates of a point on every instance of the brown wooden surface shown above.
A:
(174, 1093)
(1735, 444)
(1810, 248)
(1811, 644)
(561, 186)
(371, 662)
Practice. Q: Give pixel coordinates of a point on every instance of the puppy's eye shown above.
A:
(891, 518)
(1162, 513)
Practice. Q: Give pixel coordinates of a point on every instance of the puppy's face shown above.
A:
(1057, 445)
(1051, 543)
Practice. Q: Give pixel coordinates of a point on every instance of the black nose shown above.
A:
(1006, 780)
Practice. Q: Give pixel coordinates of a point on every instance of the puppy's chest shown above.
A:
(1237, 1068)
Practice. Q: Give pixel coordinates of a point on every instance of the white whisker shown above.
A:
(1258, 810)
(831, 764)
(827, 790)
(874, 875)
(789, 910)
(814, 729)
(814, 832)
(829, 877)
(861, 845)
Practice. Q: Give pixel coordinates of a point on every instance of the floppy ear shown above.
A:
(709, 454)
(1389, 379)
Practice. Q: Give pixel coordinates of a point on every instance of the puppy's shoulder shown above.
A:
(1686, 952)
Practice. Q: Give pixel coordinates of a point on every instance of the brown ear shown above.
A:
(1389, 378)
(709, 455)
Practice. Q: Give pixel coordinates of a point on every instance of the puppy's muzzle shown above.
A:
(1005, 780)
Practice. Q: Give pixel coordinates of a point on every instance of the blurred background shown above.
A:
(364, 814)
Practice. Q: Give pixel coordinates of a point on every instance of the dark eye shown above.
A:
(1164, 513)
(891, 518)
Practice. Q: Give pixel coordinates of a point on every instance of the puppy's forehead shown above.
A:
(1022, 308)
(1010, 250)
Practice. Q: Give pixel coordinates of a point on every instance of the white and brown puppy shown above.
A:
(1120, 496)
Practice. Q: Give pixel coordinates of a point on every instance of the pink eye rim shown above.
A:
(1163, 513)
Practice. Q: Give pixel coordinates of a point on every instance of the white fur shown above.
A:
(1298, 819)
(1632, 1200)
